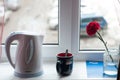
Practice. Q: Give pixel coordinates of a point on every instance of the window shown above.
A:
(26, 15)
(35, 16)
(85, 54)
(82, 44)
(107, 14)
(68, 34)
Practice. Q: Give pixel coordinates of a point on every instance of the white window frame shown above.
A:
(50, 51)
(80, 55)
(69, 19)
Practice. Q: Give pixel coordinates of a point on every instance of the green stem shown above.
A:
(105, 44)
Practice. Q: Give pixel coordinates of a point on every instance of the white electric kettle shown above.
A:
(28, 62)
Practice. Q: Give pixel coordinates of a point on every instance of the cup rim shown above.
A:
(62, 55)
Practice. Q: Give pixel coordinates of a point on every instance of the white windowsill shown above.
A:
(49, 68)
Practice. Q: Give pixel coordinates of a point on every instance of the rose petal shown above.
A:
(92, 28)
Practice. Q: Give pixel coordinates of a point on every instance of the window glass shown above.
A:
(39, 16)
(106, 12)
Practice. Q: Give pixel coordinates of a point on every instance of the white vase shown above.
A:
(111, 61)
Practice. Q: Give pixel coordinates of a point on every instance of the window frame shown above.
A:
(50, 51)
(86, 54)
(69, 20)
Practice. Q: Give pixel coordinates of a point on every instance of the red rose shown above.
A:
(92, 28)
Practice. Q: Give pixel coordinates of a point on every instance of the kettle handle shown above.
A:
(9, 40)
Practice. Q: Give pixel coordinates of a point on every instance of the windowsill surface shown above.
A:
(49, 68)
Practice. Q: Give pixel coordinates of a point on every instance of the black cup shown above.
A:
(64, 64)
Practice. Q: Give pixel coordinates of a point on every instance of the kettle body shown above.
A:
(28, 61)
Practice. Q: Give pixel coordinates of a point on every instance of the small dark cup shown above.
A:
(64, 64)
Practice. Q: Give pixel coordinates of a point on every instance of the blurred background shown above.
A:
(42, 16)
(30, 15)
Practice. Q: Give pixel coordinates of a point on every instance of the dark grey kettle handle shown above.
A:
(8, 42)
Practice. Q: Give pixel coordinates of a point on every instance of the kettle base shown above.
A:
(28, 75)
